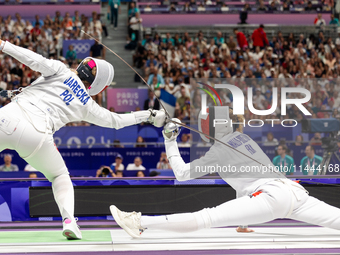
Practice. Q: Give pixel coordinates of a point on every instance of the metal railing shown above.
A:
(227, 30)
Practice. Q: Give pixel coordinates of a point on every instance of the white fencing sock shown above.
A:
(181, 222)
(64, 195)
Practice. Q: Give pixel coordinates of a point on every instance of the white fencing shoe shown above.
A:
(71, 229)
(129, 221)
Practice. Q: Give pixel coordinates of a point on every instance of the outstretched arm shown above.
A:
(36, 62)
(103, 117)
(188, 171)
(185, 171)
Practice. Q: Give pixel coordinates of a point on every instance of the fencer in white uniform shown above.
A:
(261, 196)
(57, 97)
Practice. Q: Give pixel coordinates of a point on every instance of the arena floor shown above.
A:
(105, 237)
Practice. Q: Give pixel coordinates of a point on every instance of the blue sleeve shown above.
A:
(275, 161)
(150, 79)
(162, 79)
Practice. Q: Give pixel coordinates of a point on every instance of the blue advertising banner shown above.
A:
(98, 137)
(86, 159)
(83, 160)
(82, 47)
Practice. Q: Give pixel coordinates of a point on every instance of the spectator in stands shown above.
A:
(201, 8)
(136, 166)
(38, 20)
(105, 171)
(185, 140)
(193, 5)
(163, 162)
(272, 6)
(154, 73)
(319, 21)
(132, 10)
(118, 166)
(334, 21)
(8, 166)
(316, 140)
(231, 44)
(262, 7)
(140, 142)
(71, 55)
(284, 162)
(182, 99)
(67, 23)
(151, 102)
(32, 175)
(140, 174)
(154, 174)
(173, 8)
(30, 168)
(309, 6)
(336, 114)
(310, 164)
(156, 86)
(224, 7)
(285, 6)
(270, 140)
(219, 40)
(241, 39)
(298, 140)
(259, 37)
(97, 26)
(3, 85)
(117, 144)
(258, 99)
(246, 8)
(35, 32)
(97, 50)
(135, 24)
(218, 4)
(114, 9)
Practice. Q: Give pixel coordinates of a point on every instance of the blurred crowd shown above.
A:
(173, 62)
(259, 5)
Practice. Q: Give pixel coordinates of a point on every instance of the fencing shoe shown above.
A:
(129, 221)
(71, 229)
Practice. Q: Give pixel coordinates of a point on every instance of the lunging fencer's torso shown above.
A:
(62, 96)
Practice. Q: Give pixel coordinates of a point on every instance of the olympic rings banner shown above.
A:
(82, 47)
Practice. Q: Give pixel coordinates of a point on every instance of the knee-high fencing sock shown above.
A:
(64, 195)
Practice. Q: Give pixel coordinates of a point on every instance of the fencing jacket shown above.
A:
(60, 93)
(242, 173)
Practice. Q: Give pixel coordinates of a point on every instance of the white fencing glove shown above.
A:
(171, 130)
(157, 118)
(154, 117)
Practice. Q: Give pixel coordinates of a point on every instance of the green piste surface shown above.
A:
(52, 237)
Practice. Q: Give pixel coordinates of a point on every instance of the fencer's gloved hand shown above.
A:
(171, 130)
(157, 118)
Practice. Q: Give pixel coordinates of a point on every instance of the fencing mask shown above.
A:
(215, 123)
(103, 77)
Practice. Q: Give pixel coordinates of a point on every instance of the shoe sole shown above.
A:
(70, 235)
(113, 210)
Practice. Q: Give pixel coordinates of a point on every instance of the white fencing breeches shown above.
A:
(276, 201)
(26, 138)
(47, 159)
